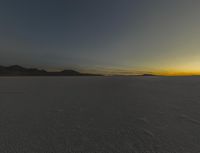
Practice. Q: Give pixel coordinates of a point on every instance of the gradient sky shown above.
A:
(106, 36)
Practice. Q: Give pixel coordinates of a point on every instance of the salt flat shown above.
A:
(100, 114)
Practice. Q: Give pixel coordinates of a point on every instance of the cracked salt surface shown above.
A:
(100, 114)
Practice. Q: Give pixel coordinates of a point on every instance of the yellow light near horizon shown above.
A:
(177, 66)
(181, 65)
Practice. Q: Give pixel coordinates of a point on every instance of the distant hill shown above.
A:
(16, 70)
(148, 75)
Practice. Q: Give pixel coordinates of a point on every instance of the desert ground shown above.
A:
(100, 114)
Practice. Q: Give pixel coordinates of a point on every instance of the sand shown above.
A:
(100, 114)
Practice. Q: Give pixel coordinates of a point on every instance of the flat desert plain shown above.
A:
(100, 114)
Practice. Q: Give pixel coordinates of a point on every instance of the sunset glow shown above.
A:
(116, 37)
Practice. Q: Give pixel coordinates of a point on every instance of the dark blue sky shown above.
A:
(100, 35)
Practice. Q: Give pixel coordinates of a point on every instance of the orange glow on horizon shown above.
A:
(140, 72)
(168, 72)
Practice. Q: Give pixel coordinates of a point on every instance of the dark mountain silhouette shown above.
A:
(16, 70)
(148, 75)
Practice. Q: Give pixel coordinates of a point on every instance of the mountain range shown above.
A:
(16, 70)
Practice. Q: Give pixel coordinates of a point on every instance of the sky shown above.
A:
(102, 36)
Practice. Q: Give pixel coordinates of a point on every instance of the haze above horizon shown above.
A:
(102, 36)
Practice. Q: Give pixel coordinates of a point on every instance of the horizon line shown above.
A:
(122, 72)
(114, 72)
